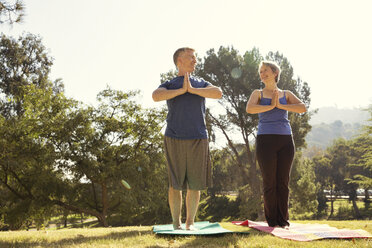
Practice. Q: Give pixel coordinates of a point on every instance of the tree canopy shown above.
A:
(11, 12)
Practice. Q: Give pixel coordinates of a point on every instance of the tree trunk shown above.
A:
(356, 209)
(332, 209)
(253, 173)
(104, 204)
(366, 199)
(102, 220)
(354, 197)
(366, 195)
(244, 174)
(100, 216)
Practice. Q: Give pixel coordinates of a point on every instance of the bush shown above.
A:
(344, 212)
(250, 206)
(218, 208)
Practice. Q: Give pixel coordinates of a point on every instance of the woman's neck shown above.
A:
(271, 86)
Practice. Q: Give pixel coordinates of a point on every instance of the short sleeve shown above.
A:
(164, 85)
(206, 84)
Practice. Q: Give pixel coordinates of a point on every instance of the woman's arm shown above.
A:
(294, 104)
(253, 106)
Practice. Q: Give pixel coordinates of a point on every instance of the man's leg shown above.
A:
(175, 204)
(192, 202)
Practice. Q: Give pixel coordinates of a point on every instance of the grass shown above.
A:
(343, 209)
(344, 203)
(142, 236)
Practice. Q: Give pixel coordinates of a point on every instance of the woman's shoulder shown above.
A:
(257, 91)
(287, 92)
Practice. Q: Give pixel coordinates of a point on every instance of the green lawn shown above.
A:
(343, 209)
(142, 236)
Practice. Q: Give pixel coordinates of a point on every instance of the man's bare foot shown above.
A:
(177, 226)
(191, 228)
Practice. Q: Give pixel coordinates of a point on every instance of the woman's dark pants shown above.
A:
(275, 156)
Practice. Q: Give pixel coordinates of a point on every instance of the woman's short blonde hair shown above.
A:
(274, 67)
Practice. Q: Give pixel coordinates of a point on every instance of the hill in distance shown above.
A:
(331, 114)
(331, 123)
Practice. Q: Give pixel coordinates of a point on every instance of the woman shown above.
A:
(275, 148)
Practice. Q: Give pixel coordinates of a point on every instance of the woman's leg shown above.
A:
(267, 160)
(285, 159)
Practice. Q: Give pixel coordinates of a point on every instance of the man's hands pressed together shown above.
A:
(211, 91)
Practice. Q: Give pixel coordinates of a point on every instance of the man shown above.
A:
(186, 140)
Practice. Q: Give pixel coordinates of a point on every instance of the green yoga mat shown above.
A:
(202, 228)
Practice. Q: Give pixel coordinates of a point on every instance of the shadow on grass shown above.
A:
(217, 240)
(76, 240)
(115, 237)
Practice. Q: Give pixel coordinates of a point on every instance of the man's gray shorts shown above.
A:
(189, 164)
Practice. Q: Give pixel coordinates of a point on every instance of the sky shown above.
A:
(127, 44)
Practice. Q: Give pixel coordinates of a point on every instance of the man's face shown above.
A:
(187, 61)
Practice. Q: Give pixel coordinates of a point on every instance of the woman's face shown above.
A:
(266, 74)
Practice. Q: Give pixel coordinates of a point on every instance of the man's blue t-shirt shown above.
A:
(186, 112)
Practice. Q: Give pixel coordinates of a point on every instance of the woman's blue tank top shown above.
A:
(274, 121)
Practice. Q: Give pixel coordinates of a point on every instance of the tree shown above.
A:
(100, 146)
(56, 151)
(27, 173)
(326, 179)
(337, 160)
(342, 155)
(238, 76)
(363, 153)
(11, 12)
(23, 61)
(303, 198)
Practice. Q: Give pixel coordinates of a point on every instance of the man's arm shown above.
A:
(161, 94)
(210, 91)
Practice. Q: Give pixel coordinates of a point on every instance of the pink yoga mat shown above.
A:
(306, 232)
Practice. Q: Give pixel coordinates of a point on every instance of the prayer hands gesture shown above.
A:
(275, 99)
(210, 91)
(187, 87)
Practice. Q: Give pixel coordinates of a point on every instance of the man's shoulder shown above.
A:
(170, 82)
(200, 80)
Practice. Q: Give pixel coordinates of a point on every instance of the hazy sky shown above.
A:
(127, 44)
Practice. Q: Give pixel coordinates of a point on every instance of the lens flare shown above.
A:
(125, 184)
(236, 73)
